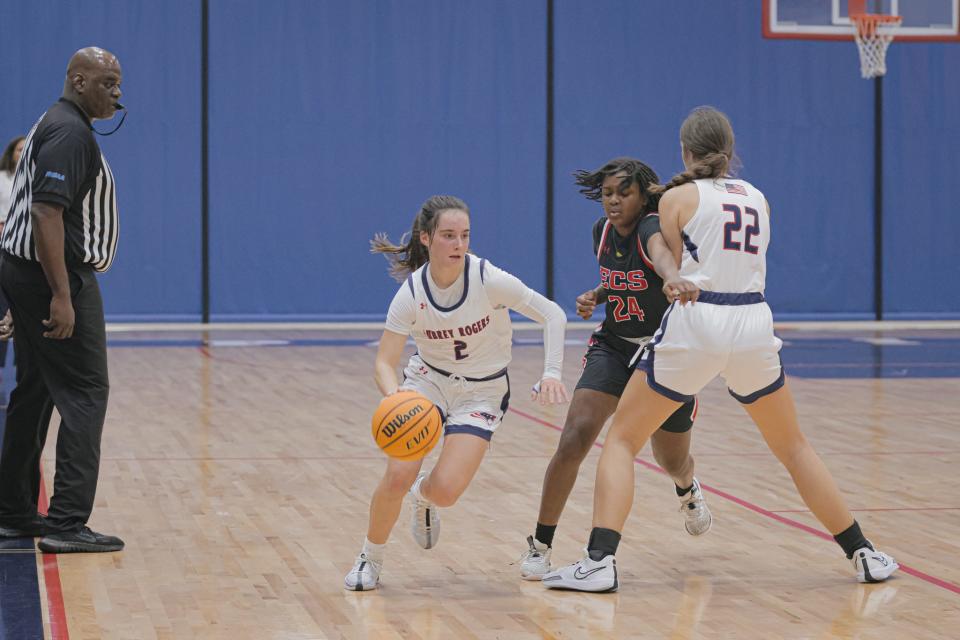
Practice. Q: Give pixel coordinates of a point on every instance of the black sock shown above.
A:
(682, 492)
(603, 543)
(545, 533)
(852, 539)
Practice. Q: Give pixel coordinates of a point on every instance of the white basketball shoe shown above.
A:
(535, 562)
(585, 575)
(696, 515)
(873, 566)
(425, 525)
(365, 575)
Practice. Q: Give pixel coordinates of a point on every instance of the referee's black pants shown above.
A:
(70, 375)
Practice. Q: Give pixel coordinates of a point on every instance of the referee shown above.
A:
(62, 227)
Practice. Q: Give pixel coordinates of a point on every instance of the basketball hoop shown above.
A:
(874, 33)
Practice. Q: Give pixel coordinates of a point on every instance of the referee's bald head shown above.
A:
(93, 81)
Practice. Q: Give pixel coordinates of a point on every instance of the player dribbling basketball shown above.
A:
(456, 306)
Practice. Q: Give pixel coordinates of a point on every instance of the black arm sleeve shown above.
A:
(63, 162)
(649, 227)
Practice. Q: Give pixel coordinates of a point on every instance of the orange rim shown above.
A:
(867, 23)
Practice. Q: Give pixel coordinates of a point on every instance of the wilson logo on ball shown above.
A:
(400, 420)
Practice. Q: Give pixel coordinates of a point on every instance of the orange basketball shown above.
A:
(406, 425)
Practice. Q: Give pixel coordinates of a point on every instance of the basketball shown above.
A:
(406, 425)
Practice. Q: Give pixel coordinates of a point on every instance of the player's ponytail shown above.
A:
(411, 253)
(708, 136)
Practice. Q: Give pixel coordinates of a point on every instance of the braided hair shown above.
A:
(411, 254)
(708, 136)
(591, 182)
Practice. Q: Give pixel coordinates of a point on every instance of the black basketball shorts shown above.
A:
(606, 368)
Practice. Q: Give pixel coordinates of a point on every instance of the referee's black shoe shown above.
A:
(29, 528)
(84, 540)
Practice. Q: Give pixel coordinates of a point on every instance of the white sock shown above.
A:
(373, 551)
(415, 489)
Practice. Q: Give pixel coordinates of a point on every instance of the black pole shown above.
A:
(204, 162)
(549, 163)
(878, 198)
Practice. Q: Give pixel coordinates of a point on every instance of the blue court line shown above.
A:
(803, 356)
(259, 343)
(854, 342)
(21, 615)
(20, 611)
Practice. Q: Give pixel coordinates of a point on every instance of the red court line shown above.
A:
(51, 579)
(949, 586)
(858, 365)
(762, 454)
(877, 509)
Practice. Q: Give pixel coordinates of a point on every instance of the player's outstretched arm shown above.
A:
(676, 207)
(674, 287)
(506, 290)
(550, 388)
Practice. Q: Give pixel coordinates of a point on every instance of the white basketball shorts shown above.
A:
(730, 335)
(468, 405)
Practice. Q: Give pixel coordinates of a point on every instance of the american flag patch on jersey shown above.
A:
(735, 188)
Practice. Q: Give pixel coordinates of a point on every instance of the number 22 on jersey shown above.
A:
(735, 225)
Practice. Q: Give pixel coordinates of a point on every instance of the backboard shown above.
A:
(923, 20)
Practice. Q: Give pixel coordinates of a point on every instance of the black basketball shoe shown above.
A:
(84, 540)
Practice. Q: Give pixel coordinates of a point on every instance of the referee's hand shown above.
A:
(6, 326)
(60, 323)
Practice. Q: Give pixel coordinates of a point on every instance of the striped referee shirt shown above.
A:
(62, 165)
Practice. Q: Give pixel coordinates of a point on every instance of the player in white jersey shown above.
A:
(456, 307)
(718, 230)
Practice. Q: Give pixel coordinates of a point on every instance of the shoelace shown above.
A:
(691, 503)
(532, 552)
(363, 558)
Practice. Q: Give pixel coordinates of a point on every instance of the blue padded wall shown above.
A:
(625, 81)
(921, 191)
(332, 121)
(154, 157)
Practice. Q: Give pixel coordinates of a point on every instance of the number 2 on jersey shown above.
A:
(459, 346)
(733, 226)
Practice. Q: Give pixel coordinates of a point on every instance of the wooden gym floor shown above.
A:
(238, 466)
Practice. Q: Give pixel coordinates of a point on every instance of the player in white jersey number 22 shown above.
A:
(718, 230)
(456, 307)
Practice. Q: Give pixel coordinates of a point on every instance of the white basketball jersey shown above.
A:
(471, 337)
(725, 242)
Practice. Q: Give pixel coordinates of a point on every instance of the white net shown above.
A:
(873, 35)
